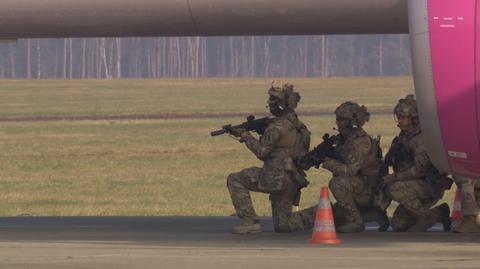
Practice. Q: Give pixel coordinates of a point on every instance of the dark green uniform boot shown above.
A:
(351, 227)
(468, 225)
(247, 227)
(380, 217)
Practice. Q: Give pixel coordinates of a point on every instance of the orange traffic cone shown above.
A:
(324, 229)
(457, 214)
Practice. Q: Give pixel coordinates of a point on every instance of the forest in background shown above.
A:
(248, 56)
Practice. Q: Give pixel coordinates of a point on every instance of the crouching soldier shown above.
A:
(354, 158)
(285, 138)
(415, 183)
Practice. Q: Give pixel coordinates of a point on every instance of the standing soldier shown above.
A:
(285, 138)
(415, 183)
(470, 206)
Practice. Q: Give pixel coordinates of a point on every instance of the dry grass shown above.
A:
(151, 167)
(123, 97)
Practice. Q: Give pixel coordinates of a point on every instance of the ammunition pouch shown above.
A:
(298, 177)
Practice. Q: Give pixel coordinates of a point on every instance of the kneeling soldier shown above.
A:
(284, 139)
(354, 158)
(415, 183)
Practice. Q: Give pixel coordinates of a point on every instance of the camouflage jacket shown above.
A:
(356, 156)
(286, 137)
(410, 157)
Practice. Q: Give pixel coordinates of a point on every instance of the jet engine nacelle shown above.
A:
(444, 37)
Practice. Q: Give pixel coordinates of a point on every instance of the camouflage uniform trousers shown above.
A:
(415, 197)
(354, 197)
(470, 195)
(284, 220)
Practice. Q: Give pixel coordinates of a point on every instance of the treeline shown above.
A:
(293, 56)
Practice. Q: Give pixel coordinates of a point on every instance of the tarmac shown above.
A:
(205, 242)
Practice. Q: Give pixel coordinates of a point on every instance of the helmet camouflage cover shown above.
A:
(357, 114)
(286, 93)
(406, 107)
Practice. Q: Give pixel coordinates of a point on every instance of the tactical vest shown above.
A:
(373, 162)
(296, 139)
(402, 156)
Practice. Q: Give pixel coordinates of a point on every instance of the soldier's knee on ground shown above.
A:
(281, 227)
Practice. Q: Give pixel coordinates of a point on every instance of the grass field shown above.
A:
(157, 166)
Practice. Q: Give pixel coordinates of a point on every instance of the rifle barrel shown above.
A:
(218, 132)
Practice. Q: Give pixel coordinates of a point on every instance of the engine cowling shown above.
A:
(445, 56)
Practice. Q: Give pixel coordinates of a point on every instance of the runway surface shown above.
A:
(205, 242)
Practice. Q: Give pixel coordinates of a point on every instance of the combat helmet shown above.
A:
(356, 114)
(407, 107)
(286, 94)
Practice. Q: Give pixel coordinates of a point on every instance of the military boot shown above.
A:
(427, 220)
(423, 222)
(247, 227)
(338, 215)
(422, 225)
(444, 217)
(351, 227)
(380, 217)
(468, 225)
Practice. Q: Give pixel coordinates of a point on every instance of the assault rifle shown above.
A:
(252, 124)
(390, 157)
(317, 156)
(397, 154)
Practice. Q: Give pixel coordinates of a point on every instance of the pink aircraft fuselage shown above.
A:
(444, 48)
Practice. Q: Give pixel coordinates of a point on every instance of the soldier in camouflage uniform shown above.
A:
(285, 138)
(470, 206)
(355, 168)
(415, 183)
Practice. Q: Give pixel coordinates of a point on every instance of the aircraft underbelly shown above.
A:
(84, 18)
